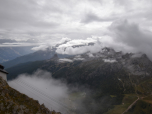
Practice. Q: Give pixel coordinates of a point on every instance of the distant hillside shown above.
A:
(38, 55)
(28, 67)
(41, 55)
(9, 53)
(13, 102)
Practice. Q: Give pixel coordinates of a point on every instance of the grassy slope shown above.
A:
(127, 100)
(142, 106)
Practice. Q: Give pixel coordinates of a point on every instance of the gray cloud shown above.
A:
(7, 41)
(131, 35)
(46, 20)
(55, 94)
(92, 17)
(81, 46)
(42, 87)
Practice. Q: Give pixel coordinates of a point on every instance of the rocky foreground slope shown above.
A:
(13, 102)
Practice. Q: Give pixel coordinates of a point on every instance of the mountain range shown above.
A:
(10, 53)
(38, 55)
(120, 83)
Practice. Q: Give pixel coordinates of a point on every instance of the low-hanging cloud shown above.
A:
(79, 50)
(41, 47)
(79, 46)
(49, 45)
(42, 87)
(55, 94)
(123, 36)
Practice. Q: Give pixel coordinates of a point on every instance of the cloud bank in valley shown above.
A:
(56, 94)
(42, 87)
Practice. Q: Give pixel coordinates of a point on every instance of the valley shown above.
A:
(122, 84)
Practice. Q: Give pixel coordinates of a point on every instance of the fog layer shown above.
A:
(40, 86)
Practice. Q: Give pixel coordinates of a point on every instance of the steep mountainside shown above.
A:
(13, 102)
(28, 67)
(115, 79)
(9, 53)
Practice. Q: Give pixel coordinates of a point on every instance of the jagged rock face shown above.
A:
(13, 102)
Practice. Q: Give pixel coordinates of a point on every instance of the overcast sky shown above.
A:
(32, 22)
